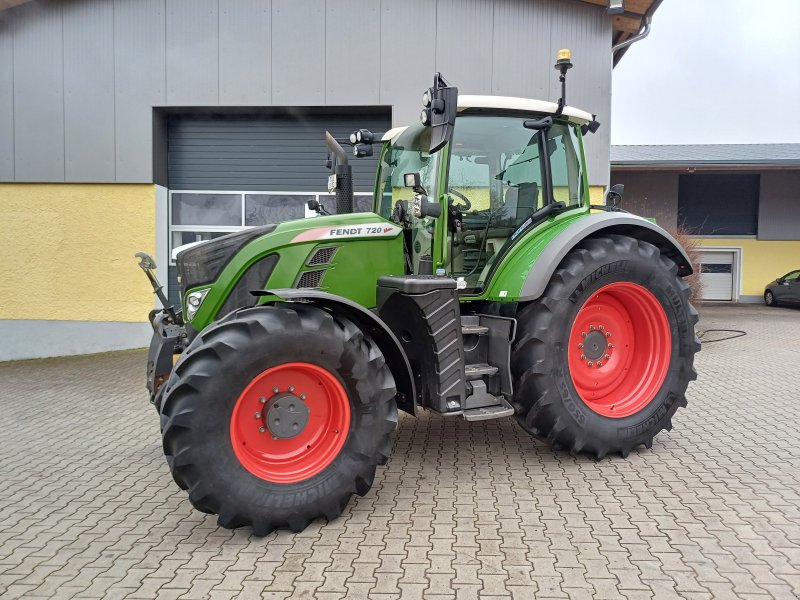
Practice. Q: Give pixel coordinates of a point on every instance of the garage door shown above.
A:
(716, 275)
(228, 172)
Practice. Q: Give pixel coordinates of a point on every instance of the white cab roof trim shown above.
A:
(509, 103)
(393, 133)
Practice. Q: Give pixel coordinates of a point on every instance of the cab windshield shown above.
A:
(496, 181)
(408, 153)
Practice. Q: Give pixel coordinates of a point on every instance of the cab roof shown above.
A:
(509, 103)
(575, 115)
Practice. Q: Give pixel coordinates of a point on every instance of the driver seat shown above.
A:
(520, 203)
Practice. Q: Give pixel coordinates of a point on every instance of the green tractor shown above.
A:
(483, 285)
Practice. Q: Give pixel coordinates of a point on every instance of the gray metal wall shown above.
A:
(779, 216)
(650, 194)
(79, 78)
(655, 194)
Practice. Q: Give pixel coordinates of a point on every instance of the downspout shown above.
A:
(639, 36)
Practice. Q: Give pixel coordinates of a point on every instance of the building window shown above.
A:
(196, 216)
(718, 204)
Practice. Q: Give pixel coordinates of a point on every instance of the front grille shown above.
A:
(322, 256)
(310, 279)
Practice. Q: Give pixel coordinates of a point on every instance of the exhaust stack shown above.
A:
(340, 181)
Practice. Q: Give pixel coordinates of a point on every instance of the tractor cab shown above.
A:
(470, 201)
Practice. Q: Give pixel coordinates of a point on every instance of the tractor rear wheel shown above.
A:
(276, 416)
(603, 358)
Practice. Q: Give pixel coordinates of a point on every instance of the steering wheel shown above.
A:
(460, 196)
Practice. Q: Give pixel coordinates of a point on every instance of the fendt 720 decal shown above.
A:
(367, 230)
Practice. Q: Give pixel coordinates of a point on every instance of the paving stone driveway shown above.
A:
(88, 508)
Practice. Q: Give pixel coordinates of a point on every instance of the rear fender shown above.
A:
(591, 226)
(370, 323)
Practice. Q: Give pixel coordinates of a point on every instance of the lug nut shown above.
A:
(591, 364)
(291, 388)
(580, 345)
(263, 400)
(606, 357)
(599, 364)
(302, 396)
(583, 334)
(583, 357)
(262, 429)
(611, 346)
(608, 334)
(275, 390)
(591, 327)
(258, 415)
(602, 327)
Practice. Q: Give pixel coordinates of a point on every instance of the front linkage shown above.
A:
(169, 339)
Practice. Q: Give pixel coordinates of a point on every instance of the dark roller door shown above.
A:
(276, 150)
(281, 152)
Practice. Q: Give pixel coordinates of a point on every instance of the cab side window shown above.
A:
(565, 165)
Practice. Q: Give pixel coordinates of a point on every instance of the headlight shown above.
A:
(193, 302)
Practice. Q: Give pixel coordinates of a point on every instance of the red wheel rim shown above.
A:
(619, 349)
(256, 439)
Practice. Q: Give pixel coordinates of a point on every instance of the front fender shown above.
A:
(370, 323)
(599, 223)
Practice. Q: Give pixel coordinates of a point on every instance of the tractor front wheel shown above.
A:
(276, 416)
(603, 359)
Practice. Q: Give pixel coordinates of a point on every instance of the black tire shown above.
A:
(769, 298)
(219, 364)
(547, 402)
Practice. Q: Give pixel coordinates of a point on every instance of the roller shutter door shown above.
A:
(281, 152)
(716, 275)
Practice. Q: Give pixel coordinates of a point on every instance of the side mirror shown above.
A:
(614, 195)
(440, 104)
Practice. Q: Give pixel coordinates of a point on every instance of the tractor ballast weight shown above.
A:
(483, 285)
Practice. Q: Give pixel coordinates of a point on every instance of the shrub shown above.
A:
(692, 246)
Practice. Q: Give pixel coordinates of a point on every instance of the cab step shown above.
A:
(497, 411)
(470, 325)
(479, 370)
(474, 330)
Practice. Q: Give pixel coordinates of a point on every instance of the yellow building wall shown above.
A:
(597, 194)
(762, 260)
(67, 251)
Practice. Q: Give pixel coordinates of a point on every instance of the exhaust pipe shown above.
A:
(340, 180)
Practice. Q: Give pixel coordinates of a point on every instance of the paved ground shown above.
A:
(89, 510)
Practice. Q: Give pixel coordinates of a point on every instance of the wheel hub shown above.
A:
(594, 345)
(286, 415)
